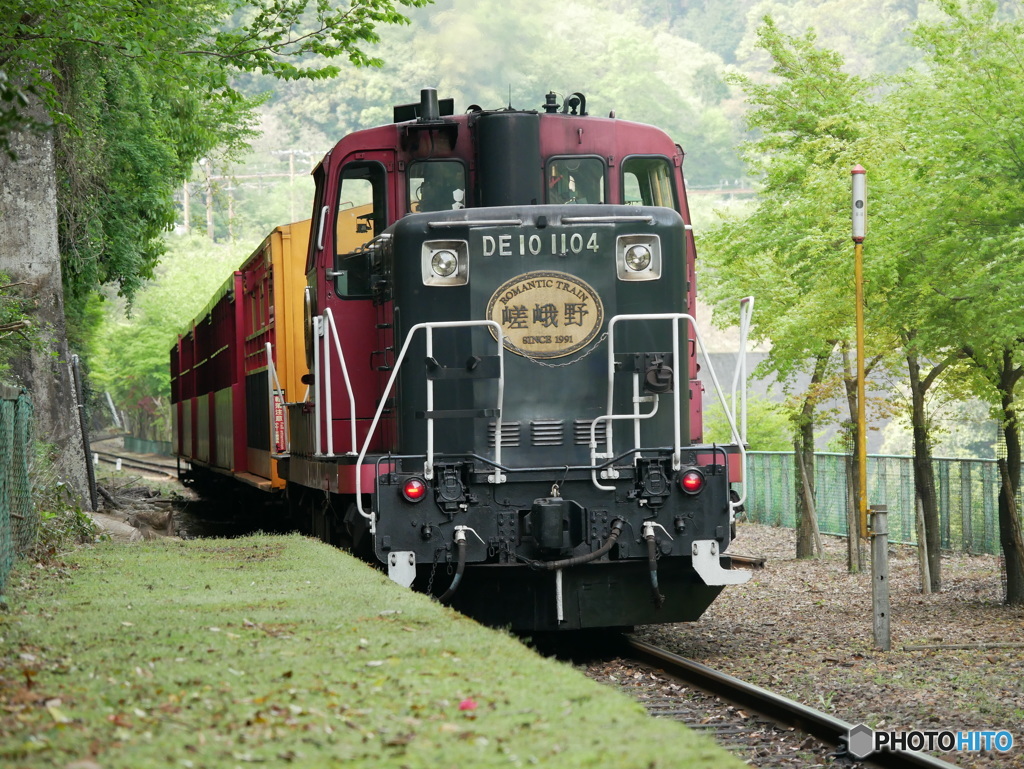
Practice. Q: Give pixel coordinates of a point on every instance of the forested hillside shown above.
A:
(661, 61)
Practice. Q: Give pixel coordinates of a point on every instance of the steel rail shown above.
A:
(747, 561)
(136, 464)
(781, 709)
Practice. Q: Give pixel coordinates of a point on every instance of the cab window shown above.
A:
(318, 225)
(436, 185)
(647, 181)
(575, 180)
(361, 212)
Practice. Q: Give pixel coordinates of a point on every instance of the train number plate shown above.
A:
(546, 313)
(559, 243)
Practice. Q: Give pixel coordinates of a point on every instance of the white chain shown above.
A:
(515, 348)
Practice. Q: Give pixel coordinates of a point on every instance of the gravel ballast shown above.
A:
(804, 629)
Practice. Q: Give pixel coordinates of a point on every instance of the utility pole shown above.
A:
(291, 185)
(231, 214)
(186, 207)
(208, 170)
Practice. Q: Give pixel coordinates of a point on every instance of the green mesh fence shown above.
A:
(967, 490)
(18, 518)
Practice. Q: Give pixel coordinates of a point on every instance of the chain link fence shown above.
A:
(19, 520)
(967, 491)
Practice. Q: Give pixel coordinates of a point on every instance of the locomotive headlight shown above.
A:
(638, 257)
(445, 262)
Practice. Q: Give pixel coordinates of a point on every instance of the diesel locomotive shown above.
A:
(476, 365)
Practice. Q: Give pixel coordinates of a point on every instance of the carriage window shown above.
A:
(575, 180)
(648, 182)
(436, 185)
(361, 213)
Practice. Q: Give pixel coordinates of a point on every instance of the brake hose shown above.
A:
(567, 563)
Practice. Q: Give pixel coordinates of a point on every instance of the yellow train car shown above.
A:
(239, 362)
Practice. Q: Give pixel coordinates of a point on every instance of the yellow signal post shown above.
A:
(878, 530)
(860, 206)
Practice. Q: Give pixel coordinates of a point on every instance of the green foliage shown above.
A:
(943, 260)
(793, 252)
(956, 239)
(141, 91)
(14, 115)
(278, 33)
(117, 176)
(62, 522)
(769, 426)
(14, 321)
(958, 430)
(872, 34)
(130, 354)
(250, 199)
(717, 26)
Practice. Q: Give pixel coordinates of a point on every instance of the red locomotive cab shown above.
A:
(346, 330)
(360, 191)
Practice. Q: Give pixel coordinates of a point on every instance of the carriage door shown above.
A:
(364, 205)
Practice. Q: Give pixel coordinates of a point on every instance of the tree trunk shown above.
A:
(804, 456)
(924, 472)
(811, 519)
(29, 252)
(803, 462)
(1009, 522)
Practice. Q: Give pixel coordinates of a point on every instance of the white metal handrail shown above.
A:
(677, 448)
(740, 374)
(676, 411)
(428, 467)
(636, 416)
(322, 326)
(275, 389)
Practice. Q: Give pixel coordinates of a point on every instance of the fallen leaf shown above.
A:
(57, 714)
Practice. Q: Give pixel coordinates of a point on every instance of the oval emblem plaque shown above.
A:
(546, 314)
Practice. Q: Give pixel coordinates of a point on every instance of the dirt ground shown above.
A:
(804, 629)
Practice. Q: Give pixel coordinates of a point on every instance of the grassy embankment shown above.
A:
(281, 650)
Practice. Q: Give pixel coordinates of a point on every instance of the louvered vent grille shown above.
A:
(547, 432)
(581, 432)
(509, 433)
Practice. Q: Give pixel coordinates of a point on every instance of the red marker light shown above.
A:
(692, 481)
(414, 490)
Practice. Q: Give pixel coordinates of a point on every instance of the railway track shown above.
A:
(168, 468)
(771, 730)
